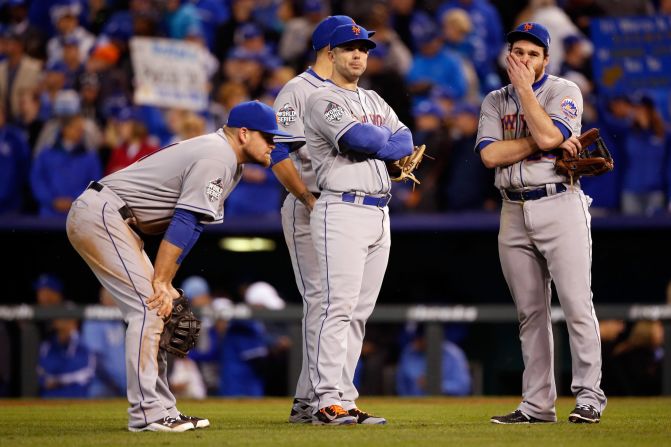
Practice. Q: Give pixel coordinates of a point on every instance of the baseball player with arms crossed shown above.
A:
(545, 231)
(350, 134)
(175, 191)
(292, 166)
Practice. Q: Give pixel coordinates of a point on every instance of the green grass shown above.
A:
(428, 422)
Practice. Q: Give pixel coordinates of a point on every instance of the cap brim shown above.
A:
(369, 43)
(277, 133)
(514, 36)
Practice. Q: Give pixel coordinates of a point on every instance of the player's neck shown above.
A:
(343, 82)
(323, 67)
(236, 146)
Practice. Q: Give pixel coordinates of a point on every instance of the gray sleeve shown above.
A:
(289, 109)
(203, 188)
(489, 126)
(330, 116)
(564, 105)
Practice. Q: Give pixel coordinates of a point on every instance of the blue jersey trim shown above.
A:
(565, 131)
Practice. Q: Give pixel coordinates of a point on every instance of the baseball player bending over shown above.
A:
(292, 166)
(545, 232)
(175, 191)
(350, 133)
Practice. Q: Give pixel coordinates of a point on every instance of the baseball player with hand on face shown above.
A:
(350, 134)
(292, 166)
(545, 231)
(175, 191)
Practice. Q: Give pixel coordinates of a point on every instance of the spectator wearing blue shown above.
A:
(647, 148)
(65, 17)
(487, 27)
(212, 13)
(181, 18)
(65, 366)
(411, 370)
(242, 359)
(48, 290)
(434, 66)
(464, 184)
(606, 190)
(60, 173)
(14, 167)
(105, 340)
(32, 36)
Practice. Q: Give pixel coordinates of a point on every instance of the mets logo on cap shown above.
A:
(528, 26)
(356, 30)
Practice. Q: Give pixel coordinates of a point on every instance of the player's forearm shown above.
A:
(507, 152)
(544, 132)
(165, 266)
(286, 173)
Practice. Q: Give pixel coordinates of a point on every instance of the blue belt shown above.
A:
(534, 194)
(380, 202)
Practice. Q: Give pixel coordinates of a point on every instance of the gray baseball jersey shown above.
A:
(546, 238)
(350, 230)
(331, 111)
(196, 175)
(501, 118)
(290, 109)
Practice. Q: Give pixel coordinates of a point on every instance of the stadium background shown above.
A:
(448, 244)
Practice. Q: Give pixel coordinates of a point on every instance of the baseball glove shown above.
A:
(181, 331)
(588, 163)
(404, 169)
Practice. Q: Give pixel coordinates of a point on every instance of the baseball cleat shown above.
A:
(197, 422)
(333, 415)
(301, 413)
(517, 417)
(167, 424)
(584, 414)
(366, 419)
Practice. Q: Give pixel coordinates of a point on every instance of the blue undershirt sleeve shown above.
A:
(281, 152)
(183, 231)
(483, 144)
(398, 146)
(365, 138)
(565, 131)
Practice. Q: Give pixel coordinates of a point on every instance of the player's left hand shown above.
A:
(520, 74)
(162, 298)
(571, 146)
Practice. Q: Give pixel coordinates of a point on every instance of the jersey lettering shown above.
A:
(373, 119)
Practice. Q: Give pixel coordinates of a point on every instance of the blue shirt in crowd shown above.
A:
(243, 350)
(71, 365)
(106, 341)
(14, 168)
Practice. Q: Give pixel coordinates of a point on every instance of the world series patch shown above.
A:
(333, 112)
(214, 190)
(569, 108)
(286, 115)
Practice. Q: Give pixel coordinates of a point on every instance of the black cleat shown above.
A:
(333, 415)
(301, 413)
(584, 414)
(367, 419)
(516, 417)
(197, 422)
(167, 424)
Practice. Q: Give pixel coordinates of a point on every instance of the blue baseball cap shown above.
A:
(535, 32)
(194, 286)
(322, 32)
(351, 33)
(428, 107)
(48, 281)
(255, 115)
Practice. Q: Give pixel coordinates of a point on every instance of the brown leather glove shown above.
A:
(588, 163)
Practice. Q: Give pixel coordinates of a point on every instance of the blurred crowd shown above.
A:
(66, 91)
(239, 357)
